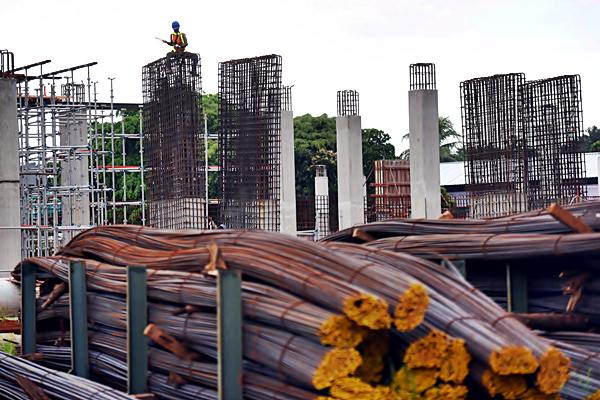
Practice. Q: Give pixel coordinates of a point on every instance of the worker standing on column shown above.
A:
(178, 39)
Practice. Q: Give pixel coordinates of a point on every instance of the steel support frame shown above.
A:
(137, 320)
(229, 317)
(80, 359)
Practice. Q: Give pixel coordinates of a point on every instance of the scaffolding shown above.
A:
(250, 104)
(73, 158)
(174, 126)
(391, 199)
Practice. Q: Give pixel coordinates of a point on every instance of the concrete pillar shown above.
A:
(349, 171)
(288, 175)
(321, 202)
(10, 212)
(424, 154)
(75, 172)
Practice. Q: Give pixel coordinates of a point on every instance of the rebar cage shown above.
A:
(347, 103)
(250, 104)
(422, 76)
(552, 121)
(174, 141)
(522, 143)
(493, 141)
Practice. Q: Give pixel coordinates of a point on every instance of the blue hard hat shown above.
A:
(175, 25)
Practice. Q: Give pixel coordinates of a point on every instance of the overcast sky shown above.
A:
(326, 45)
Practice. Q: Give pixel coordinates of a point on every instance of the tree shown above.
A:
(450, 143)
(591, 139)
(315, 144)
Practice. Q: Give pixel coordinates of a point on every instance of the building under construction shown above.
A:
(426, 307)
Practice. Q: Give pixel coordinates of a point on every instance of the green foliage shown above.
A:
(7, 344)
(590, 141)
(315, 144)
(450, 142)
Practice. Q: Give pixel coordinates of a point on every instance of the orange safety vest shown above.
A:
(178, 39)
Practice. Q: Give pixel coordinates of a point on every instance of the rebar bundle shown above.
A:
(539, 221)
(174, 129)
(346, 321)
(553, 127)
(250, 104)
(60, 385)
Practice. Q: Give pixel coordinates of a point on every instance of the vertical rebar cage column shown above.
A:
(174, 146)
(250, 103)
(424, 142)
(422, 76)
(493, 140)
(347, 103)
(551, 115)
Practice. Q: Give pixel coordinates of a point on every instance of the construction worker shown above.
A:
(178, 39)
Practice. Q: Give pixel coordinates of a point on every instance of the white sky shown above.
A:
(326, 45)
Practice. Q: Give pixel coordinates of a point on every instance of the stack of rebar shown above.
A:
(336, 321)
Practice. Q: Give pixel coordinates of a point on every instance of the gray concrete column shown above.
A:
(75, 171)
(349, 171)
(288, 175)
(321, 202)
(424, 154)
(10, 212)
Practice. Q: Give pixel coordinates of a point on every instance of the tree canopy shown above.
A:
(450, 142)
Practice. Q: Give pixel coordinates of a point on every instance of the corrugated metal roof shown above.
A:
(453, 173)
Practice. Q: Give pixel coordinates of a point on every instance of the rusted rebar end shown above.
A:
(415, 380)
(508, 386)
(427, 352)
(382, 393)
(446, 392)
(554, 371)
(351, 389)
(455, 365)
(339, 331)
(595, 396)
(513, 360)
(368, 311)
(337, 363)
(535, 394)
(373, 351)
(411, 308)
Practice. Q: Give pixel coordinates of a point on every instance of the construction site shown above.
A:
(132, 266)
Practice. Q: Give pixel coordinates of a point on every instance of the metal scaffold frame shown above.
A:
(72, 159)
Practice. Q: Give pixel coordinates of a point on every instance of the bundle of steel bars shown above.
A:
(539, 221)
(342, 321)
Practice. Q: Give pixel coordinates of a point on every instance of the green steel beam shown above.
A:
(28, 309)
(229, 315)
(137, 319)
(516, 289)
(80, 358)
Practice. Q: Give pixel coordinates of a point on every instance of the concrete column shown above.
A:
(424, 154)
(321, 202)
(10, 212)
(75, 172)
(349, 171)
(288, 175)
